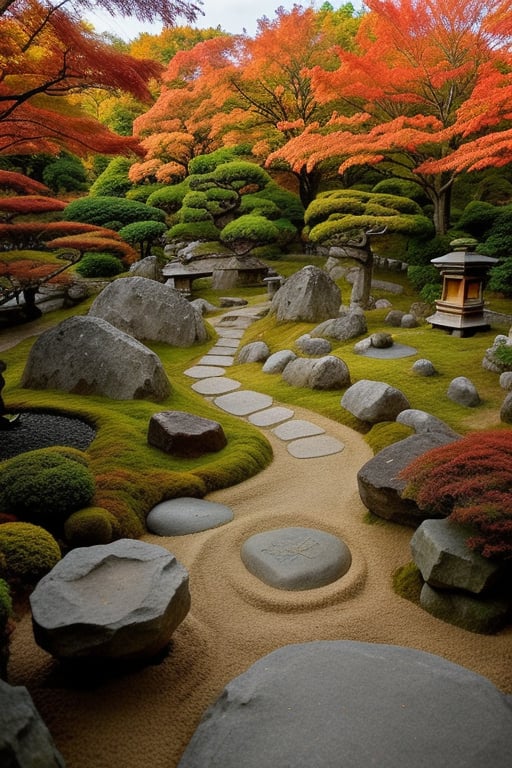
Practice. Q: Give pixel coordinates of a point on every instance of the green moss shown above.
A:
(386, 433)
(29, 552)
(92, 525)
(5, 606)
(408, 582)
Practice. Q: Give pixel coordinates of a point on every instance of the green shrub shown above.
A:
(110, 211)
(421, 252)
(401, 187)
(251, 229)
(478, 218)
(99, 265)
(500, 278)
(196, 230)
(498, 243)
(29, 551)
(65, 173)
(44, 487)
(5, 605)
(144, 234)
(92, 525)
(169, 198)
(114, 181)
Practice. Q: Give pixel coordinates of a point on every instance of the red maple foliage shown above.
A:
(470, 482)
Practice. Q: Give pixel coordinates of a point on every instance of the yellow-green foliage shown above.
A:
(5, 605)
(29, 552)
(386, 433)
(91, 525)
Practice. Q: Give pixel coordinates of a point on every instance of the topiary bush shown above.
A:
(500, 278)
(99, 265)
(114, 181)
(92, 525)
(469, 482)
(29, 552)
(111, 212)
(44, 487)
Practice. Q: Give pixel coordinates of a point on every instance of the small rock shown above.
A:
(506, 380)
(424, 368)
(383, 304)
(313, 346)
(229, 301)
(463, 392)
(277, 362)
(329, 372)
(177, 517)
(381, 340)
(506, 409)
(422, 422)
(255, 352)
(394, 318)
(349, 326)
(408, 321)
(484, 616)
(374, 401)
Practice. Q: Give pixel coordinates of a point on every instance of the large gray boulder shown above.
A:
(309, 295)
(440, 551)
(25, 741)
(422, 421)
(380, 486)
(347, 326)
(374, 401)
(313, 346)
(150, 311)
(88, 356)
(328, 372)
(255, 352)
(277, 362)
(327, 704)
(118, 601)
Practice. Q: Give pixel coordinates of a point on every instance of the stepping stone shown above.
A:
(243, 403)
(215, 385)
(390, 353)
(227, 342)
(204, 371)
(237, 321)
(218, 350)
(224, 360)
(270, 416)
(313, 447)
(296, 558)
(178, 517)
(229, 333)
(297, 428)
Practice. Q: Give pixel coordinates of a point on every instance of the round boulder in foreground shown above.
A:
(342, 703)
(296, 558)
(177, 517)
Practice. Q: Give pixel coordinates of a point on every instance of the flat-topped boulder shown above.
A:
(89, 356)
(25, 741)
(309, 295)
(185, 434)
(326, 704)
(117, 601)
(471, 612)
(150, 311)
(380, 486)
(349, 325)
(374, 401)
(296, 558)
(177, 517)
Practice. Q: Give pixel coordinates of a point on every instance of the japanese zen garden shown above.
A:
(256, 387)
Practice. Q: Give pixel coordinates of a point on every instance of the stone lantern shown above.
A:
(460, 310)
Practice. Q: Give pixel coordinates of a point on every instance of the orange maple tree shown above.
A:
(397, 103)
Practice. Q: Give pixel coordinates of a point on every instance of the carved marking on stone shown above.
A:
(308, 548)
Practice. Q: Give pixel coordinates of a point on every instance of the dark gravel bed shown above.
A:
(40, 430)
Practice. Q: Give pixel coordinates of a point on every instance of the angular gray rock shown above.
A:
(255, 352)
(349, 325)
(312, 346)
(148, 268)
(462, 391)
(440, 551)
(329, 372)
(421, 422)
(25, 741)
(150, 311)
(381, 489)
(309, 295)
(296, 558)
(506, 409)
(277, 362)
(327, 704)
(185, 434)
(490, 360)
(88, 356)
(203, 307)
(117, 601)
(374, 401)
(506, 380)
(424, 367)
(484, 616)
(177, 517)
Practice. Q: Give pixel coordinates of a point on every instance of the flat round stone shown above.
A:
(215, 385)
(177, 517)
(244, 402)
(296, 558)
(314, 447)
(204, 371)
(295, 428)
(270, 416)
(223, 360)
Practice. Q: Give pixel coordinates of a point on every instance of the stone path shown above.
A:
(304, 439)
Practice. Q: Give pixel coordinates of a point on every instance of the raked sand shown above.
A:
(146, 717)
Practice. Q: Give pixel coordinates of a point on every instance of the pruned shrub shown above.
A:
(44, 487)
(469, 481)
(92, 525)
(29, 552)
(500, 278)
(99, 265)
(108, 211)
